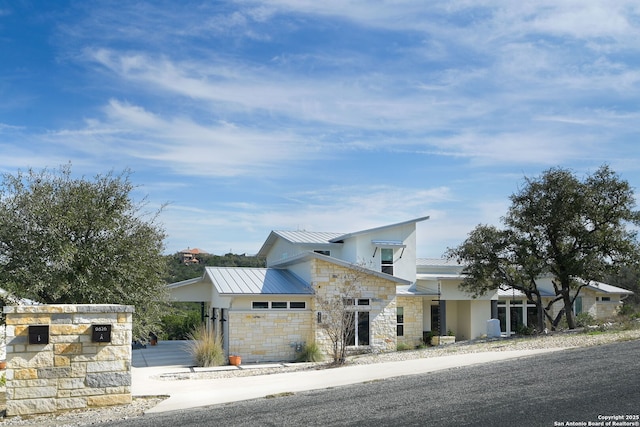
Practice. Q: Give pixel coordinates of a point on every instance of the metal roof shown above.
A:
(609, 289)
(312, 237)
(252, 281)
(509, 292)
(370, 230)
(306, 256)
(438, 262)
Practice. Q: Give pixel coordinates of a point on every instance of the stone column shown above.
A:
(65, 365)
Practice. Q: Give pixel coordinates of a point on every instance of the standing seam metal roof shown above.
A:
(252, 281)
(307, 236)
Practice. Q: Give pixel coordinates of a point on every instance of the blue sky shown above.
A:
(339, 115)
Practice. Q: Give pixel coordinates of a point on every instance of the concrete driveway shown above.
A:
(165, 353)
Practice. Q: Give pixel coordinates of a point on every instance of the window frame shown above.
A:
(282, 305)
(400, 321)
(386, 265)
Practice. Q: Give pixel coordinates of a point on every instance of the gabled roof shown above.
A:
(321, 238)
(252, 281)
(297, 237)
(306, 256)
(372, 230)
(607, 289)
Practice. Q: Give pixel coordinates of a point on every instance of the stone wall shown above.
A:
(268, 335)
(70, 371)
(412, 307)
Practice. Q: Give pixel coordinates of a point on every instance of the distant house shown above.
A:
(266, 314)
(190, 256)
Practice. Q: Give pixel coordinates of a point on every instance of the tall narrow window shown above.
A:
(386, 260)
(400, 321)
(359, 330)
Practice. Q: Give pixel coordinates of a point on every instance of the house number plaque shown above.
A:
(101, 333)
(39, 334)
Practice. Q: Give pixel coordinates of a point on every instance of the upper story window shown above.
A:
(386, 260)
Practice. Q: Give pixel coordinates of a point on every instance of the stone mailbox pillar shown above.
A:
(62, 357)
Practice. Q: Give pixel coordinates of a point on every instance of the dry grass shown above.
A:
(206, 347)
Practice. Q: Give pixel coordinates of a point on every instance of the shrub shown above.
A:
(310, 353)
(584, 319)
(206, 347)
(403, 347)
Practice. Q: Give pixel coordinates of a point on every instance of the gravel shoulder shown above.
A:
(142, 404)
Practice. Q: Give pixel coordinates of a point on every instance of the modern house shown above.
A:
(267, 314)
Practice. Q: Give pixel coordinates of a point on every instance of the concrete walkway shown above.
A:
(190, 393)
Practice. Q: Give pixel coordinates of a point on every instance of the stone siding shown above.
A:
(412, 308)
(268, 335)
(329, 280)
(71, 371)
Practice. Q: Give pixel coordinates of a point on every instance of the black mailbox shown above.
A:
(39, 334)
(101, 333)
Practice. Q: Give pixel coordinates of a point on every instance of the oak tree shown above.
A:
(575, 230)
(66, 240)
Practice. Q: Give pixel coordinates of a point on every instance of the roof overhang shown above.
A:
(308, 256)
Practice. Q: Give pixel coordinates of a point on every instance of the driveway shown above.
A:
(165, 353)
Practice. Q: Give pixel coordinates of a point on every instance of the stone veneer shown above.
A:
(271, 335)
(329, 279)
(71, 371)
(412, 307)
(259, 336)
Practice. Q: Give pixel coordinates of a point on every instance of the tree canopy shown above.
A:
(575, 230)
(177, 270)
(66, 240)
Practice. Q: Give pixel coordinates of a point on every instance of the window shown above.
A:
(386, 260)
(516, 314)
(400, 321)
(359, 301)
(604, 299)
(278, 305)
(359, 332)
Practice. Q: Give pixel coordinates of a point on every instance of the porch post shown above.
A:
(443, 318)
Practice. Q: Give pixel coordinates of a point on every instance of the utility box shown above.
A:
(493, 328)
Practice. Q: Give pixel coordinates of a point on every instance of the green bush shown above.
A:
(403, 347)
(183, 319)
(310, 353)
(585, 319)
(206, 347)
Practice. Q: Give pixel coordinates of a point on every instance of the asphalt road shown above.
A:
(574, 386)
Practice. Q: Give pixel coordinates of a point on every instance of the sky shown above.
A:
(340, 115)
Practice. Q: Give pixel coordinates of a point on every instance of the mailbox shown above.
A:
(101, 333)
(39, 334)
